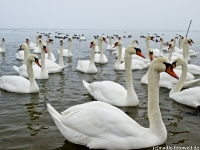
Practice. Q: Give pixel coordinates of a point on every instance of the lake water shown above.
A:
(25, 122)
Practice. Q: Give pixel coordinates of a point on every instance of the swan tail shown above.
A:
(191, 83)
(87, 86)
(16, 69)
(52, 111)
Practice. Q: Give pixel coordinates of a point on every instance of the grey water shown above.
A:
(25, 122)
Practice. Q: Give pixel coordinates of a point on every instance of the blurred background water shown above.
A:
(25, 122)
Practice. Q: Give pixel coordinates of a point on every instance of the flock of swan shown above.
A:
(99, 124)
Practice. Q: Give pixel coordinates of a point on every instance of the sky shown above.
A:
(100, 14)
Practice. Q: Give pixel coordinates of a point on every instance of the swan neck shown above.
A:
(69, 47)
(185, 52)
(177, 88)
(37, 41)
(100, 47)
(181, 43)
(161, 47)
(26, 53)
(30, 73)
(61, 63)
(92, 54)
(3, 48)
(155, 119)
(110, 42)
(148, 46)
(132, 43)
(118, 62)
(170, 53)
(42, 60)
(48, 51)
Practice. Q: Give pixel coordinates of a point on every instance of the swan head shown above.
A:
(69, 39)
(162, 65)
(61, 42)
(23, 46)
(173, 40)
(3, 39)
(119, 37)
(27, 40)
(191, 41)
(151, 56)
(111, 37)
(150, 38)
(102, 38)
(92, 43)
(134, 50)
(161, 39)
(49, 40)
(44, 47)
(187, 41)
(178, 62)
(118, 43)
(39, 37)
(33, 58)
(171, 45)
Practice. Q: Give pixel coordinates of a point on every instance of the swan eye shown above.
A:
(174, 64)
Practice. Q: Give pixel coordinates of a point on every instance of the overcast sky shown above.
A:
(100, 14)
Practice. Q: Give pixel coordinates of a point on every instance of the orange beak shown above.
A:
(152, 38)
(151, 56)
(104, 40)
(37, 62)
(45, 49)
(91, 44)
(140, 54)
(190, 43)
(115, 45)
(169, 47)
(171, 72)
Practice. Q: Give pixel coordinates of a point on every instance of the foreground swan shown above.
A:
(20, 84)
(99, 125)
(135, 63)
(88, 66)
(39, 73)
(67, 52)
(110, 46)
(112, 92)
(3, 48)
(191, 96)
(100, 58)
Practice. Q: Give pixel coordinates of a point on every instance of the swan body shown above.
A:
(82, 38)
(100, 58)
(191, 96)
(135, 63)
(3, 47)
(88, 66)
(20, 55)
(67, 52)
(20, 84)
(110, 46)
(99, 125)
(39, 73)
(113, 93)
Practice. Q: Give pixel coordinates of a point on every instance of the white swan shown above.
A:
(88, 66)
(67, 52)
(99, 125)
(50, 55)
(50, 65)
(136, 64)
(2, 49)
(148, 44)
(82, 38)
(100, 58)
(167, 81)
(110, 46)
(191, 96)
(39, 73)
(112, 92)
(36, 47)
(20, 84)
(193, 69)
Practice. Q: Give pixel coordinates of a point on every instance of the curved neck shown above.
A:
(129, 81)
(110, 41)
(161, 47)
(26, 53)
(92, 54)
(155, 119)
(148, 46)
(30, 73)
(61, 63)
(118, 62)
(177, 88)
(48, 50)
